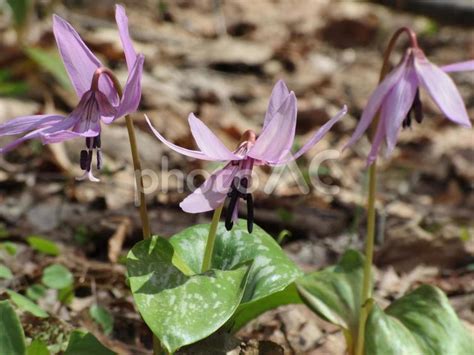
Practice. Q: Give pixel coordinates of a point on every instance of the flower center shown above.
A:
(92, 144)
(240, 190)
(415, 109)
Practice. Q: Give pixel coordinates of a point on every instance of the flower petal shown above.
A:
(376, 142)
(277, 137)
(442, 90)
(132, 92)
(208, 142)
(397, 104)
(196, 154)
(122, 24)
(320, 133)
(27, 123)
(17, 142)
(212, 192)
(455, 67)
(376, 99)
(279, 93)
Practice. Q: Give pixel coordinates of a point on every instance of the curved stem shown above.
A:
(211, 239)
(137, 167)
(371, 211)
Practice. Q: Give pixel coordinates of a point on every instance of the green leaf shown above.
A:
(421, 322)
(12, 338)
(9, 247)
(272, 271)
(37, 347)
(20, 10)
(26, 304)
(57, 276)
(81, 343)
(103, 317)
(5, 272)
(36, 291)
(51, 62)
(335, 292)
(66, 295)
(181, 309)
(43, 245)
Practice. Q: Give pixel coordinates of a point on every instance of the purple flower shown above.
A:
(271, 147)
(397, 99)
(99, 100)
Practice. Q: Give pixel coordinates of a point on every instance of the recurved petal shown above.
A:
(279, 93)
(79, 61)
(320, 133)
(212, 193)
(28, 123)
(442, 90)
(376, 99)
(208, 142)
(397, 104)
(276, 139)
(184, 151)
(17, 142)
(122, 24)
(132, 92)
(455, 67)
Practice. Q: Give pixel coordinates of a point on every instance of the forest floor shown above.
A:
(220, 61)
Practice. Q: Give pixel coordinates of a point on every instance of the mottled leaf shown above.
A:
(421, 322)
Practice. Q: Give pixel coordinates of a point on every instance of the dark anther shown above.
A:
(417, 107)
(234, 197)
(249, 199)
(96, 143)
(407, 121)
(99, 159)
(88, 142)
(84, 159)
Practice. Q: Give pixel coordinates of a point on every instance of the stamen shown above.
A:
(407, 121)
(234, 196)
(417, 107)
(84, 159)
(250, 216)
(99, 158)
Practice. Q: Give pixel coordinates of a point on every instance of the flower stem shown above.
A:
(369, 252)
(211, 239)
(366, 303)
(138, 176)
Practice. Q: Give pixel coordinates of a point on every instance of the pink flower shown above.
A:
(397, 99)
(271, 147)
(99, 101)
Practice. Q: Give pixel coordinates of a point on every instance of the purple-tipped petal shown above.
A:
(212, 193)
(376, 99)
(122, 24)
(397, 104)
(276, 139)
(455, 67)
(132, 92)
(208, 142)
(320, 133)
(279, 93)
(28, 123)
(184, 151)
(442, 90)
